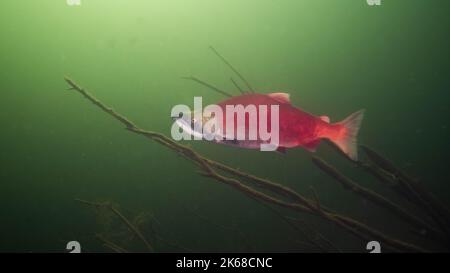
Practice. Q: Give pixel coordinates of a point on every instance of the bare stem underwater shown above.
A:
(125, 220)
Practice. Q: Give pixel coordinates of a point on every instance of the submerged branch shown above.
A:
(237, 86)
(210, 86)
(134, 229)
(374, 197)
(232, 68)
(107, 243)
(415, 192)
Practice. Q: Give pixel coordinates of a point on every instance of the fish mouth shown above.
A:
(195, 129)
(190, 127)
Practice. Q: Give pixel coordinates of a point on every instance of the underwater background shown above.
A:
(333, 57)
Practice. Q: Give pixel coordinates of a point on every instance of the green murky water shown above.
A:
(333, 57)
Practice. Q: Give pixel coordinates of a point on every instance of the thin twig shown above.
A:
(319, 237)
(134, 229)
(374, 197)
(237, 86)
(316, 198)
(107, 243)
(232, 68)
(423, 198)
(210, 86)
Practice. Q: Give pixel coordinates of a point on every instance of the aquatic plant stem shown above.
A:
(301, 204)
(114, 247)
(413, 191)
(237, 86)
(374, 197)
(210, 86)
(232, 68)
(134, 229)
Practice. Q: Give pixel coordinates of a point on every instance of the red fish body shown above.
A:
(296, 127)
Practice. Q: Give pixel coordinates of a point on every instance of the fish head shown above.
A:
(189, 122)
(199, 125)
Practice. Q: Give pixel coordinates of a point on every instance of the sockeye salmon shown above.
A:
(297, 128)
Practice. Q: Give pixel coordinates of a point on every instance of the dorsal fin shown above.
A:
(325, 118)
(281, 97)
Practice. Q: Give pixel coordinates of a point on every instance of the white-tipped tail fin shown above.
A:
(347, 140)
